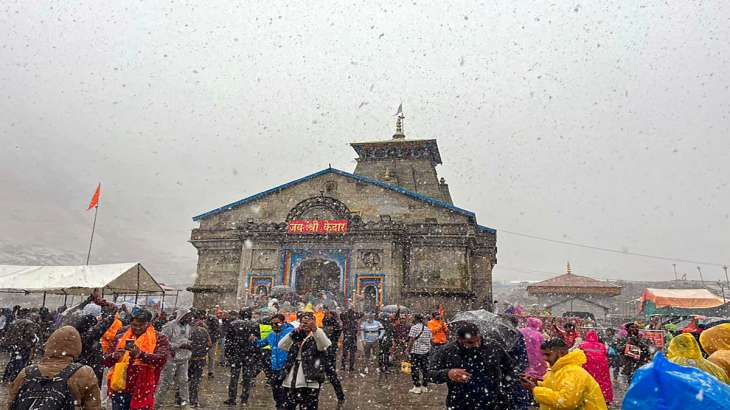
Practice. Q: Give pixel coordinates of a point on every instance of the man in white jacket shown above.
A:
(304, 367)
(176, 368)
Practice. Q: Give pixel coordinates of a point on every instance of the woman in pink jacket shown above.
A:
(597, 363)
(533, 340)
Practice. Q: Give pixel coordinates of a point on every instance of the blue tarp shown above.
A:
(663, 385)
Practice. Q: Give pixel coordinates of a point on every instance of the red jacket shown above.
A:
(142, 379)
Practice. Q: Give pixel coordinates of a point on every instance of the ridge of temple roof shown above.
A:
(572, 280)
(360, 178)
(572, 284)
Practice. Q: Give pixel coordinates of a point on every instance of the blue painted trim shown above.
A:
(486, 229)
(378, 276)
(252, 275)
(395, 188)
(259, 195)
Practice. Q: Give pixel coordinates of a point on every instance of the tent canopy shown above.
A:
(119, 278)
(681, 298)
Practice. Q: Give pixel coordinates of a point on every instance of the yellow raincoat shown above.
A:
(684, 350)
(567, 386)
(716, 342)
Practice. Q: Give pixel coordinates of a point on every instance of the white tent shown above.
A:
(118, 278)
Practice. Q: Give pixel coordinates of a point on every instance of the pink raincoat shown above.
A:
(533, 340)
(597, 363)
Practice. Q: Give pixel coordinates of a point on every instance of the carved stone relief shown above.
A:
(371, 259)
(264, 258)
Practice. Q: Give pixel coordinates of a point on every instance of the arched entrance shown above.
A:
(317, 274)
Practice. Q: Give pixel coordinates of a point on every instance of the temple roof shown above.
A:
(359, 178)
(398, 148)
(569, 283)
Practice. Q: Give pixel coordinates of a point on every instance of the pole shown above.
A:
(44, 299)
(93, 228)
(701, 278)
(727, 282)
(136, 294)
(722, 288)
(674, 265)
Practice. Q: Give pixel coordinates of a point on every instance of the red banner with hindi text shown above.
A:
(314, 226)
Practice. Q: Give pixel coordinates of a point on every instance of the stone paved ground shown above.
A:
(364, 391)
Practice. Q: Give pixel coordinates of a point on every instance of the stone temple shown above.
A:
(388, 233)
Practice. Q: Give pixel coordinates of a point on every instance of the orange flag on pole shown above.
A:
(95, 199)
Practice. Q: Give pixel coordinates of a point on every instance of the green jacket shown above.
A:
(265, 330)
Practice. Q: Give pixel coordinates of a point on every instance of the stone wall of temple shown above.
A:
(416, 175)
(357, 196)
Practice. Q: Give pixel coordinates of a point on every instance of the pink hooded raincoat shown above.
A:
(533, 340)
(597, 363)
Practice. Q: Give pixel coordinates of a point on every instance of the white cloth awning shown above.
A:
(118, 278)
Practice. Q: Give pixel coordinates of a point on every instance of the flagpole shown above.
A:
(93, 228)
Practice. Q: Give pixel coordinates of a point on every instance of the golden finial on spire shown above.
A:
(399, 123)
(568, 270)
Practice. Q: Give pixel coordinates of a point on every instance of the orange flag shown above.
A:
(95, 199)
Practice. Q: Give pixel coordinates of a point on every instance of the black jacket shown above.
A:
(350, 323)
(313, 360)
(492, 375)
(214, 328)
(388, 333)
(199, 342)
(91, 332)
(333, 330)
(239, 350)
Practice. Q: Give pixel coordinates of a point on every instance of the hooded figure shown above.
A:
(176, 367)
(568, 386)
(533, 340)
(684, 350)
(62, 348)
(597, 363)
(716, 342)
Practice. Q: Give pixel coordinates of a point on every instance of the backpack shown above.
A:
(46, 393)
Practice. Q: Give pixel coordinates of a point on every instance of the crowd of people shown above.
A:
(137, 358)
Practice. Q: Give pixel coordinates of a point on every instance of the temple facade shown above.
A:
(388, 233)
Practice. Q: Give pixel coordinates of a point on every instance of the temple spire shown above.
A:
(399, 123)
(568, 270)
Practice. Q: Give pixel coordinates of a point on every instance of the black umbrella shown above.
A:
(490, 325)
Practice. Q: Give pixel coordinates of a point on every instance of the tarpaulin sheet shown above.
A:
(663, 385)
(113, 278)
(681, 298)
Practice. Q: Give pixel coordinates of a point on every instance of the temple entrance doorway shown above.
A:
(317, 274)
(370, 299)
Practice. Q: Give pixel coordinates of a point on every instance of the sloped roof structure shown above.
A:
(116, 278)
(359, 178)
(570, 284)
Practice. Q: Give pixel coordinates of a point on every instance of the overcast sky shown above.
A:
(598, 122)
